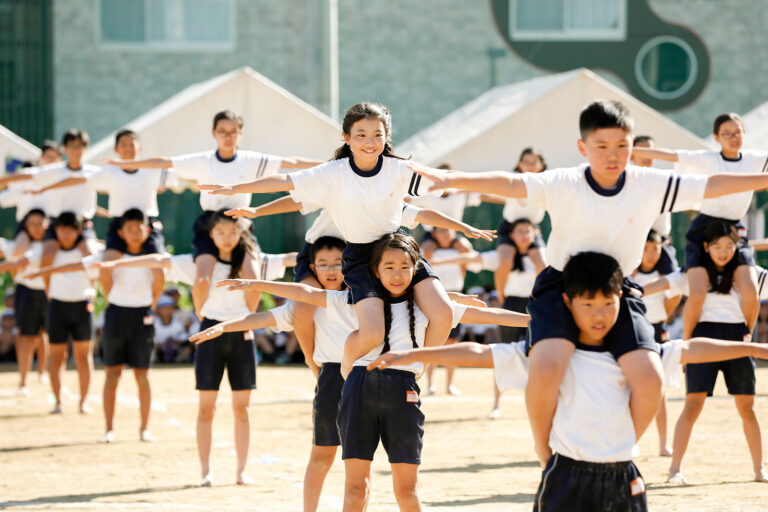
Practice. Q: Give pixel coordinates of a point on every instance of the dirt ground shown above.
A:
(470, 462)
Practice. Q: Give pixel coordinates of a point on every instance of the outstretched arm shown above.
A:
(299, 162)
(759, 244)
(267, 185)
(500, 183)
(146, 261)
(705, 350)
(68, 267)
(440, 220)
(5, 180)
(294, 291)
(669, 155)
(724, 184)
(657, 286)
(469, 257)
(69, 182)
(284, 204)
(148, 163)
(498, 316)
(13, 265)
(470, 354)
(246, 323)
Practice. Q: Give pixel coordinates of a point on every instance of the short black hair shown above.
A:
(68, 220)
(643, 138)
(326, 242)
(75, 134)
(34, 211)
(229, 115)
(724, 118)
(605, 114)
(133, 214)
(50, 144)
(122, 133)
(587, 273)
(653, 236)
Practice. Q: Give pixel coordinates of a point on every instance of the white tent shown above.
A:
(14, 147)
(489, 132)
(276, 121)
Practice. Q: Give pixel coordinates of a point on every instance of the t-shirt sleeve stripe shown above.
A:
(674, 195)
(765, 166)
(761, 282)
(262, 166)
(264, 266)
(410, 186)
(413, 189)
(666, 195)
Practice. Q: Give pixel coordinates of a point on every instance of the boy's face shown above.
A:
(74, 150)
(327, 268)
(642, 161)
(36, 226)
(134, 232)
(67, 236)
(49, 156)
(607, 150)
(594, 316)
(127, 147)
(227, 134)
(651, 255)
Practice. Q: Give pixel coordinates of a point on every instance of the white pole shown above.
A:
(333, 61)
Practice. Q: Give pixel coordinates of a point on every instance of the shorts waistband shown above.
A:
(386, 371)
(330, 365)
(592, 466)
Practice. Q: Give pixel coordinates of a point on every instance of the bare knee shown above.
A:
(746, 407)
(358, 490)
(112, 377)
(142, 379)
(371, 334)
(205, 413)
(240, 411)
(405, 491)
(322, 460)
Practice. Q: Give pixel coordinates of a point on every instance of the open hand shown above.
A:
(441, 178)
(225, 190)
(237, 284)
(485, 234)
(242, 212)
(210, 333)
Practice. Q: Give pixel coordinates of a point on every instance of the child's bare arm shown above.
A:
(759, 244)
(469, 257)
(724, 184)
(294, 291)
(299, 162)
(246, 323)
(147, 163)
(706, 350)
(146, 261)
(14, 265)
(440, 220)
(69, 267)
(69, 182)
(669, 155)
(267, 185)
(460, 354)
(282, 205)
(497, 316)
(499, 183)
(657, 286)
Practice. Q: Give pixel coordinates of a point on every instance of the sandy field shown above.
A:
(470, 463)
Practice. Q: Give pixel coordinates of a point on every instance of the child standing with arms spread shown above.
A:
(362, 190)
(605, 206)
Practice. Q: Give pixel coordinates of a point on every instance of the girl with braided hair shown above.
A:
(383, 404)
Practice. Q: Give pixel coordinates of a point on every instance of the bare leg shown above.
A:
(506, 257)
(449, 371)
(370, 317)
(205, 412)
(58, 359)
(694, 403)
(434, 302)
(25, 352)
(661, 426)
(83, 351)
(240, 400)
(745, 279)
(204, 267)
(145, 396)
(320, 462)
(430, 370)
(112, 378)
(644, 374)
(698, 284)
(548, 361)
(357, 484)
(496, 410)
(304, 326)
(404, 480)
(745, 404)
(42, 349)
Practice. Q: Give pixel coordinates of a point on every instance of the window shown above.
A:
(167, 24)
(666, 67)
(562, 20)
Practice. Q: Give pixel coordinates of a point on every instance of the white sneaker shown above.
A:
(22, 391)
(244, 479)
(453, 390)
(85, 409)
(494, 414)
(108, 437)
(206, 481)
(43, 378)
(56, 409)
(147, 437)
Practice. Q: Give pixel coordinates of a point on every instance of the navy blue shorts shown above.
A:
(302, 271)
(550, 318)
(31, 308)
(512, 334)
(660, 333)
(128, 336)
(668, 260)
(155, 243)
(69, 320)
(455, 333)
(694, 242)
(569, 485)
(360, 280)
(232, 351)
(505, 238)
(325, 406)
(739, 373)
(381, 404)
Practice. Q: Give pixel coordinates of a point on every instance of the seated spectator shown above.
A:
(8, 332)
(171, 343)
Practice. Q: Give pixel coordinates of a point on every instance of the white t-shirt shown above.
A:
(364, 205)
(731, 206)
(207, 168)
(717, 307)
(131, 286)
(173, 331)
(762, 289)
(221, 304)
(73, 286)
(616, 222)
(33, 254)
(519, 282)
(654, 304)
(80, 199)
(451, 276)
(515, 209)
(592, 421)
(453, 204)
(663, 224)
(131, 189)
(324, 226)
(14, 195)
(333, 325)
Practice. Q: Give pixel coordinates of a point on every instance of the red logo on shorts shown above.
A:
(637, 486)
(411, 397)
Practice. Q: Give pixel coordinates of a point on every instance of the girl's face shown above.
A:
(225, 235)
(127, 147)
(730, 136)
(366, 139)
(227, 134)
(67, 236)
(721, 250)
(523, 235)
(395, 271)
(651, 254)
(444, 237)
(36, 226)
(530, 163)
